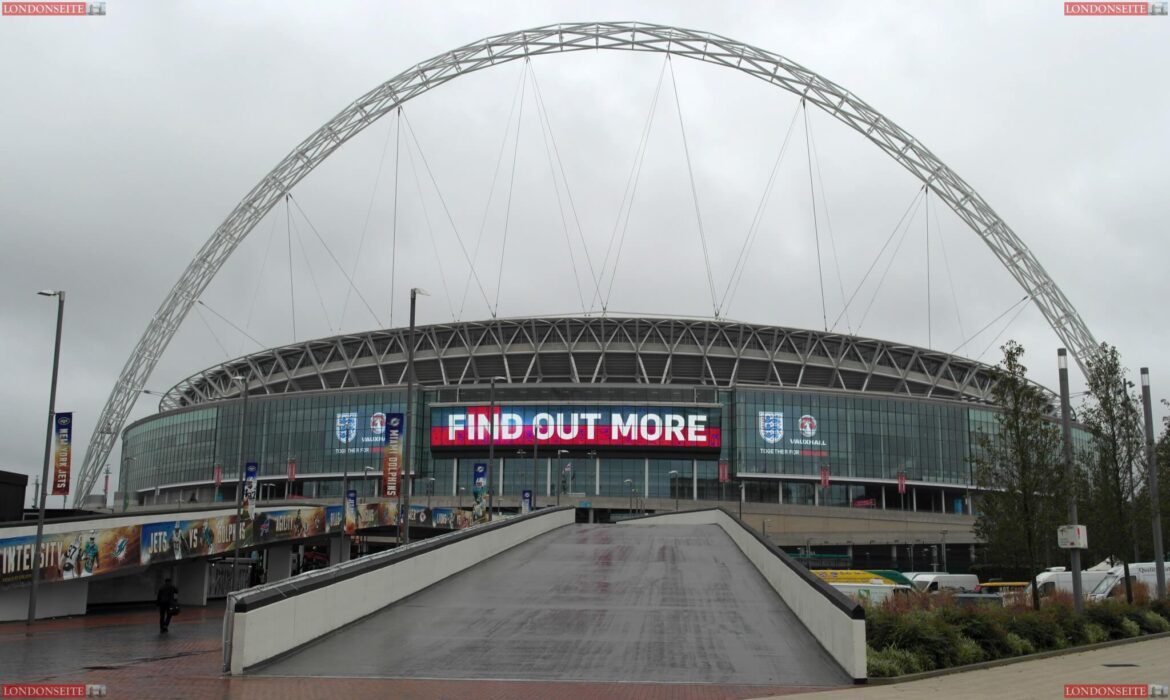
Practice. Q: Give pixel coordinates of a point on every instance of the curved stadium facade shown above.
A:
(595, 406)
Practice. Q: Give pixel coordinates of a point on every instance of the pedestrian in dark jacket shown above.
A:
(167, 600)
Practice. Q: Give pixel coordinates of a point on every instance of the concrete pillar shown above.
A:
(816, 495)
(780, 492)
(914, 499)
(455, 477)
(191, 578)
(646, 478)
(695, 480)
(280, 561)
(883, 497)
(894, 554)
(548, 476)
(500, 482)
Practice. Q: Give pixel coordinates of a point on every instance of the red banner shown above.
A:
(292, 470)
(902, 482)
(218, 475)
(824, 477)
(723, 477)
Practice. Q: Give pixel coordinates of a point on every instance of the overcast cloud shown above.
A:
(126, 139)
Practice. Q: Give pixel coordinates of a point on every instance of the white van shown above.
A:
(934, 582)
(1114, 582)
(1059, 580)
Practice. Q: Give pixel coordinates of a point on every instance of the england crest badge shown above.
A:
(346, 427)
(771, 426)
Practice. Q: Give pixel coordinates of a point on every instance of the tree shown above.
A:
(1019, 470)
(1111, 417)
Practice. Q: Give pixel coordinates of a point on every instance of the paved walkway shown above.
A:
(658, 603)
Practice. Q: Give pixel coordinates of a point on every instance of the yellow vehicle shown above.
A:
(866, 576)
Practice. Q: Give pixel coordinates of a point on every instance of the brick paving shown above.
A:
(124, 651)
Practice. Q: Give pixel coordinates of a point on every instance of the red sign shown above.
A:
(902, 482)
(824, 477)
(723, 478)
(1098, 9)
(45, 8)
(580, 426)
(218, 475)
(864, 503)
(292, 470)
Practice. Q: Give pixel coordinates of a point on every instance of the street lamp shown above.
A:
(561, 479)
(631, 483)
(674, 487)
(404, 489)
(462, 490)
(44, 482)
(240, 482)
(491, 441)
(430, 489)
(741, 498)
(367, 470)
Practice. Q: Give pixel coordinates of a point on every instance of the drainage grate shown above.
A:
(1120, 665)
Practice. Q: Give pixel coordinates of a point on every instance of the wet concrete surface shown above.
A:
(664, 603)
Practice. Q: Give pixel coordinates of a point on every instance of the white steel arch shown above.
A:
(564, 38)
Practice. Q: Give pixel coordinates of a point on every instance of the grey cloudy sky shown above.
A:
(126, 139)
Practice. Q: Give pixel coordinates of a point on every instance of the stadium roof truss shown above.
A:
(584, 350)
(556, 39)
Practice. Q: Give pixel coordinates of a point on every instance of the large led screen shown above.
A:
(599, 426)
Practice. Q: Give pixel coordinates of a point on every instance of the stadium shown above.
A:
(795, 416)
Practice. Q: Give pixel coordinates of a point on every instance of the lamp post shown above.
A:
(1066, 439)
(561, 476)
(1155, 504)
(430, 489)
(462, 489)
(491, 441)
(43, 484)
(741, 497)
(408, 458)
(631, 483)
(674, 487)
(367, 471)
(240, 482)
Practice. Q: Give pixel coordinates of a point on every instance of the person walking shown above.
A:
(167, 601)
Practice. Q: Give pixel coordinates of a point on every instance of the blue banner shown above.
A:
(351, 515)
(250, 490)
(526, 505)
(63, 456)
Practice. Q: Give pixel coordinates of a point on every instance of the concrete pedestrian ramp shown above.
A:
(669, 603)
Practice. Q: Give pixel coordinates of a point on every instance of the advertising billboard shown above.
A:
(69, 555)
(593, 426)
(360, 430)
(392, 454)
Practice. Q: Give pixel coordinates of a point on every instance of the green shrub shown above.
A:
(984, 626)
(1094, 633)
(1018, 645)
(1161, 606)
(1042, 630)
(1109, 614)
(891, 662)
(967, 651)
(1129, 628)
(1149, 621)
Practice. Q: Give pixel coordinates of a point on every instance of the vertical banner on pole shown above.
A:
(351, 515)
(902, 483)
(824, 477)
(724, 477)
(250, 490)
(526, 501)
(63, 454)
(478, 491)
(292, 469)
(392, 455)
(217, 474)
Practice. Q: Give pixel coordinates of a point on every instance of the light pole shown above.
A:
(631, 483)
(106, 488)
(491, 442)
(462, 489)
(365, 477)
(240, 482)
(741, 497)
(404, 489)
(1152, 470)
(1066, 432)
(674, 487)
(561, 476)
(430, 489)
(520, 458)
(43, 484)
